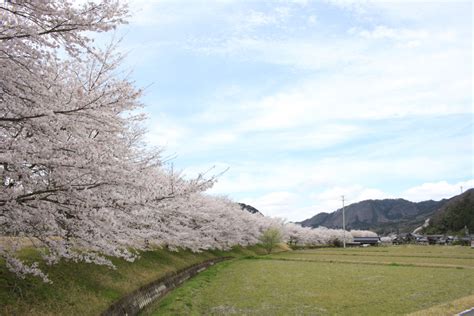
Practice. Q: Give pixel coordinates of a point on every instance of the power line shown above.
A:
(343, 222)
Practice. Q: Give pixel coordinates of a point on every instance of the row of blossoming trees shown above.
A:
(77, 179)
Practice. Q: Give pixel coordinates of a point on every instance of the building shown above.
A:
(436, 239)
(373, 241)
(405, 238)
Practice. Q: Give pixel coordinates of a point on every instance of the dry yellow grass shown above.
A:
(450, 308)
(19, 242)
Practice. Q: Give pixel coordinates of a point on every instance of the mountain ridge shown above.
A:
(382, 216)
(249, 208)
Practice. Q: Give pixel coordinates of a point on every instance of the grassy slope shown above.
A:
(86, 289)
(287, 287)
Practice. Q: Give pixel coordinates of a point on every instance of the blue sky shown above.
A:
(307, 101)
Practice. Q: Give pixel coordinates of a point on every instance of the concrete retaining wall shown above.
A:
(136, 301)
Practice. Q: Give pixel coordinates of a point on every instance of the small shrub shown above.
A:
(336, 242)
(270, 238)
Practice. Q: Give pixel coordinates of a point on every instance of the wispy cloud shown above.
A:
(305, 101)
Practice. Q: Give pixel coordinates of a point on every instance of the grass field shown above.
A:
(355, 281)
(460, 257)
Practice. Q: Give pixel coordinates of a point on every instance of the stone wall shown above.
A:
(136, 301)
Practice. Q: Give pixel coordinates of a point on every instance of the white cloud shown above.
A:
(331, 199)
(247, 21)
(384, 32)
(362, 82)
(217, 138)
(315, 137)
(292, 52)
(428, 85)
(157, 13)
(246, 179)
(312, 19)
(166, 132)
(275, 204)
(425, 11)
(437, 190)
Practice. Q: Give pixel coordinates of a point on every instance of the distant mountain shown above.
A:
(249, 208)
(382, 216)
(454, 216)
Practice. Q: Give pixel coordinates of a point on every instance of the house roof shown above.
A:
(363, 239)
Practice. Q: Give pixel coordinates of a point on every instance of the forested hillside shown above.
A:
(455, 216)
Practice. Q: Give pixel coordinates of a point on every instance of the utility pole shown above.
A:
(343, 222)
(461, 189)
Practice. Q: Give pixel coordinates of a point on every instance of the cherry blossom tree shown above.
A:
(75, 176)
(296, 235)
